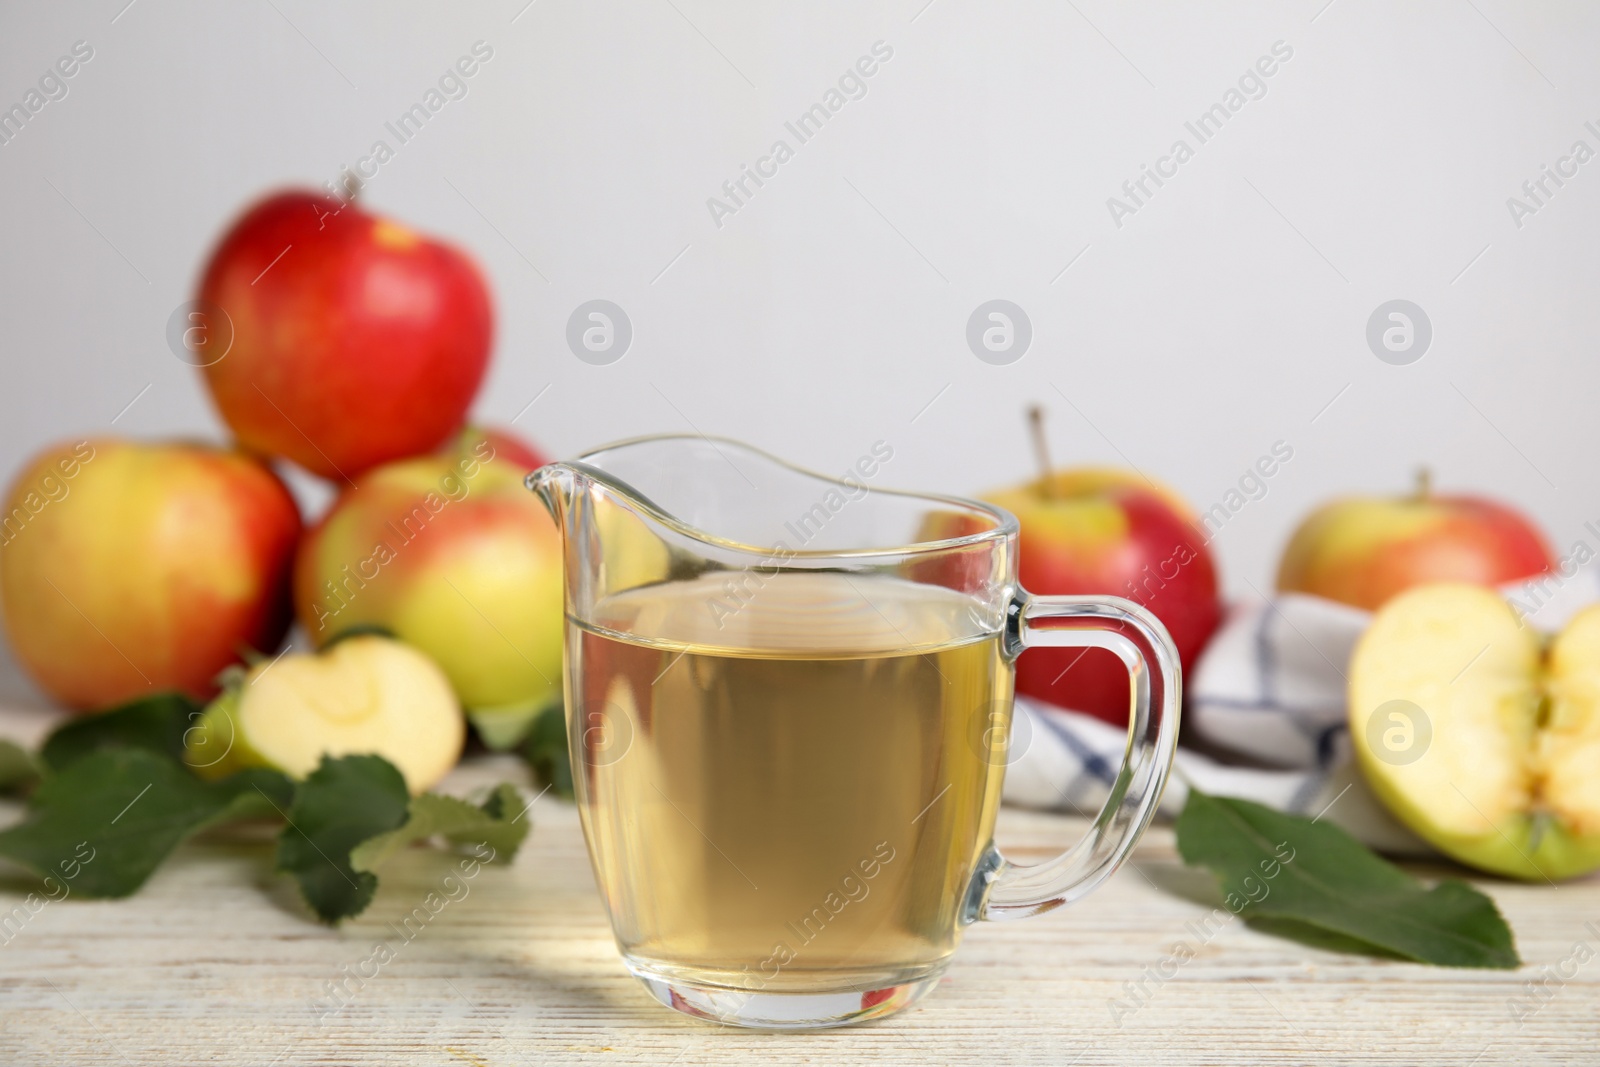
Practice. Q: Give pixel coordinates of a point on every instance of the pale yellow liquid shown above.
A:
(792, 793)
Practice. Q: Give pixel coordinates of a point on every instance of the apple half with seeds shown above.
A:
(1480, 734)
(363, 695)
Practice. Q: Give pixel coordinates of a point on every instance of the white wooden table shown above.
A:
(216, 961)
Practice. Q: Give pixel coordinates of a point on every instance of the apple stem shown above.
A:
(1424, 483)
(1041, 448)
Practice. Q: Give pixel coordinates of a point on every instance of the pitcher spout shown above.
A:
(671, 507)
(610, 538)
(556, 485)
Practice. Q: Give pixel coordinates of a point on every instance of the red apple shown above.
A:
(130, 568)
(355, 341)
(1364, 550)
(452, 554)
(1106, 531)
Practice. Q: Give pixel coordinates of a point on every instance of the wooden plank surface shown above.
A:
(216, 962)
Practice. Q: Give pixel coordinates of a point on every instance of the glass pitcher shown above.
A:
(788, 700)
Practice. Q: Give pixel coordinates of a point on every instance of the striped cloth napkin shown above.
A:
(1268, 695)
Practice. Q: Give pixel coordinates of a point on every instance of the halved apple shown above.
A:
(365, 694)
(1476, 737)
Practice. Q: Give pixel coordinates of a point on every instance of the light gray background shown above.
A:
(831, 311)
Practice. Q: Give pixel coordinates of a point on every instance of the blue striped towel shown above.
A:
(1269, 693)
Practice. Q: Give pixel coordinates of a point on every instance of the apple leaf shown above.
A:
(344, 802)
(545, 749)
(109, 819)
(1314, 883)
(115, 801)
(497, 825)
(156, 723)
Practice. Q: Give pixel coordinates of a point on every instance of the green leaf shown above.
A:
(155, 723)
(19, 771)
(497, 823)
(108, 820)
(546, 751)
(1314, 883)
(344, 802)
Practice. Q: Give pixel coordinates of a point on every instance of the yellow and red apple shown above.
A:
(130, 568)
(1478, 738)
(1364, 550)
(1107, 531)
(452, 554)
(354, 340)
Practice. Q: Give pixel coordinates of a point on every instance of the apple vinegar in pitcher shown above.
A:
(793, 789)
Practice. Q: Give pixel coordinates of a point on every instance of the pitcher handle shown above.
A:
(1141, 642)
